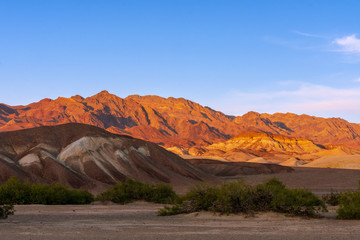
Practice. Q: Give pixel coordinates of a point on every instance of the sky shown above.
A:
(233, 56)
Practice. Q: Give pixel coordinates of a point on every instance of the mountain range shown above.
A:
(188, 128)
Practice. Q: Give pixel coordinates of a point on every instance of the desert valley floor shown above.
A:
(139, 220)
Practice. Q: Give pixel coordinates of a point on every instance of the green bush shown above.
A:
(202, 196)
(130, 190)
(274, 185)
(349, 205)
(15, 191)
(237, 197)
(161, 193)
(297, 202)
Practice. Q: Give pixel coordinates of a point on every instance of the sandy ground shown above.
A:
(140, 221)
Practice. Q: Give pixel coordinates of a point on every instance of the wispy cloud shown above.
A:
(303, 98)
(348, 44)
(290, 43)
(309, 35)
(302, 41)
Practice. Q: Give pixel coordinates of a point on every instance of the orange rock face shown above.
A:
(173, 121)
(252, 146)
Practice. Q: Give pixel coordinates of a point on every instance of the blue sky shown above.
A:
(234, 56)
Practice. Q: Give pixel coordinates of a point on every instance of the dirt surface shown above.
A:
(139, 221)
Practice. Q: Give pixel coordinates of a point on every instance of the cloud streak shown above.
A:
(309, 35)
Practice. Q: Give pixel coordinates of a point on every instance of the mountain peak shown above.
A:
(251, 114)
(77, 98)
(103, 93)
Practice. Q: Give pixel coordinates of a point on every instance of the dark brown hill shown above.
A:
(233, 169)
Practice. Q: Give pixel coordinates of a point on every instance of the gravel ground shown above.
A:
(140, 221)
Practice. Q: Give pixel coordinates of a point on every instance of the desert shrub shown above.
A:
(125, 192)
(297, 202)
(6, 210)
(349, 205)
(293, 201)
(130, 190)
(161, 193)
(59, 194)
(39, 193)
(80, 197)
(173, 210)
(15, 191)
(332, 198)
(237, 197)
(202, 197)
(274, 185)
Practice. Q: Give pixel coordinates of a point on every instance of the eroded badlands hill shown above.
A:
(83, 156)
(174, 121)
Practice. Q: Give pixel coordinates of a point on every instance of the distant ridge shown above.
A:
(174, 121)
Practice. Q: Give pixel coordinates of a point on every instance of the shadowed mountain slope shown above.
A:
(232, 169)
